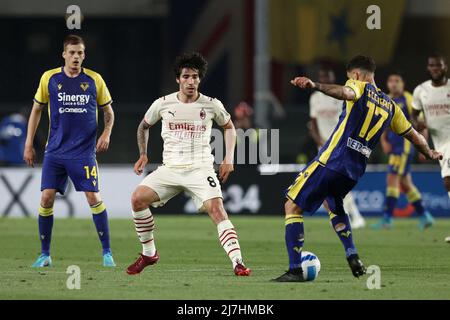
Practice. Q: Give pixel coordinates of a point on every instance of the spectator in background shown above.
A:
(243, 120)
(243, 113)
(13, 133)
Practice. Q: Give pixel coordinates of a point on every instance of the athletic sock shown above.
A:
(100, 217)
(45, 222)
(144, 225)
(341, 225)
(229, 241)
(415, 198)
(294, 238)
(392, 195)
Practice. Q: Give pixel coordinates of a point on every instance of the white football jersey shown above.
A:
(186, 128)
(326, 111)
(435, 104)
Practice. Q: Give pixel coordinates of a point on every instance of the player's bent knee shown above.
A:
(216, 210)
(291, 208)
(93, 198)
(142, 198)
(137, 202)
(47, 199)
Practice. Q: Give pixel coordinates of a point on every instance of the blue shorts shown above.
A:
(82, 172)
(317, 183)
(400, 163)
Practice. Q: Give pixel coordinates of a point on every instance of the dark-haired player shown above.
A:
(186, 117)
(400, 157)
(432, 97)
(343, 159)
(324, 112)
(73, 96)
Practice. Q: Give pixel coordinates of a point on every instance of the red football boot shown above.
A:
(141, 262)
(241, 270)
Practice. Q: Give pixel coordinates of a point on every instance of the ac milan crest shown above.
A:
(202, 114)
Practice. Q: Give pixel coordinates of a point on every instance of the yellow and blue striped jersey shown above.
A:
(359, 129)
(72, 107)
(399, 144)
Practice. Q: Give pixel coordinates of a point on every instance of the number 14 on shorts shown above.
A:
(91, 172)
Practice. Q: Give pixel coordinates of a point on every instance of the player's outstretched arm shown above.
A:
(226, 167)
(422, 146)
(142, 141)
(35, 117)
(104, 139)
(418, 124)
(332, 90)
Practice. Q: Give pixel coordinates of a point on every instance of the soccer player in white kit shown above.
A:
(186, 117)
(432, 97)
(324, 112)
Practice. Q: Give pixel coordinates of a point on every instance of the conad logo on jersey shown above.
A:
(73, 110)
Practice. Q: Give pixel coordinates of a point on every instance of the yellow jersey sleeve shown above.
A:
(42, 95)
(409, 100)
(357, 86)
(399, 124)
(103, 95)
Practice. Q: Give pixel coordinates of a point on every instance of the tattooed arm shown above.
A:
(421, 145)
(104, 139)
(332, 90)
(142, 141)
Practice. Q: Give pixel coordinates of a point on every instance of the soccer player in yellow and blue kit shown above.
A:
(400, 158)
(73, 96)
(367, 111)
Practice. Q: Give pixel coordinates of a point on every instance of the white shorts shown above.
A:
(445, 162)
(200, 183)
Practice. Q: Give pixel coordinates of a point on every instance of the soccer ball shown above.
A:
(310, 265)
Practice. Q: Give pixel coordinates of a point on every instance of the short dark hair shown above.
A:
(362, 62)
(395, 73)
(326, 69)
(193, 60)
(438, 55)
(72, 39)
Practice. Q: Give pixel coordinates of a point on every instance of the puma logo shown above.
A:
(297, 249)
(172, 113)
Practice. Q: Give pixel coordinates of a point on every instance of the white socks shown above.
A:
(351, 208)
(229, 240)
(144, 224)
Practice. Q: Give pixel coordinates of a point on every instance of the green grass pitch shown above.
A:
(414, 264)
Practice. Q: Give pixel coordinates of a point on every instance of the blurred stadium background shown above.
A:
(254, 47)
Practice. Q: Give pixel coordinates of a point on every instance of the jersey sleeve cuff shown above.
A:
(39, 102)
(146, 121)
(226, 122)
(406, 131)
(105, 104)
